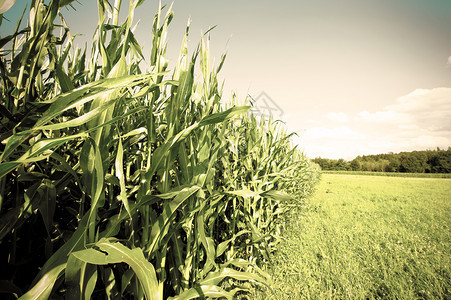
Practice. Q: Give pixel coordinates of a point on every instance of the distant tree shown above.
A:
(441, 163)
(422, 159)
(368, 165)
(355, 165)
(393, 164)
(435, 161)
(324, 163)
(341, 165)
(410, 164)
(382, 165)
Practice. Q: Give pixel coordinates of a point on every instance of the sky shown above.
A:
(350, 77)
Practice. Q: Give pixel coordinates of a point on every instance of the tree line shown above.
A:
(428, 161)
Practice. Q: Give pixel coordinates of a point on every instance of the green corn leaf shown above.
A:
(15, 215)
(80, 278)
(182, 60)
(95, 178)
(65, 2)
(70, 100)
(64, 80)
(162, 152)
(115, 221)
(277, 195)
(37, 152)
(221, 64)
(88, 93)
(160, 226)
(126, 280)
(111, 288)
(119, 165)
(82, 119)
(207, 242)
(110, 252)
(47, 192)
(186, 84)
(222, 247)
(225, 115)
(205, 61)
(12, 143)
(7, 167)
(5, 5)
(245, 193)
(43, 145)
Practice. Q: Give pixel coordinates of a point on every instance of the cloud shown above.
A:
(416, 121)
(339, 117)
(423, 99)
(448, 63)
(429, 110)
(420, 110)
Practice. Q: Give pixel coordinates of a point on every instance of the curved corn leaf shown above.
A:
(119, 165)
(80, 278)
(206, 241)
(222, 247)
(160, 226)
(5, 5)
(109, 252)
(225, 115)
(38, 151)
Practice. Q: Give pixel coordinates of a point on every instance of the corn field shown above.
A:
(119, 183)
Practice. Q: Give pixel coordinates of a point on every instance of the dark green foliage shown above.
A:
(429, 161)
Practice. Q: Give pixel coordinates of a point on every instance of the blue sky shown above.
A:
(351, 77)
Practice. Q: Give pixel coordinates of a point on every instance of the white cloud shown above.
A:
(339, 117)
(449, 61)
(429, 110)
(417, 121)
(420, 110)
(423, 99)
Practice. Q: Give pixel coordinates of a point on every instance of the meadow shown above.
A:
(390, 174)
(367, 237)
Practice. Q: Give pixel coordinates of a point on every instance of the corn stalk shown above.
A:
(120, 183)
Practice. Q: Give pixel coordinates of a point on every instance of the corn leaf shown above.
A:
(110, 252)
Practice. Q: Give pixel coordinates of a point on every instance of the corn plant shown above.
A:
(120, 183)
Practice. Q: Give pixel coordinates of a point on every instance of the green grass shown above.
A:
(367, 237)
(391, 174)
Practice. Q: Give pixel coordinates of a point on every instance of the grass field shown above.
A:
(367, 237)
(391, 174)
